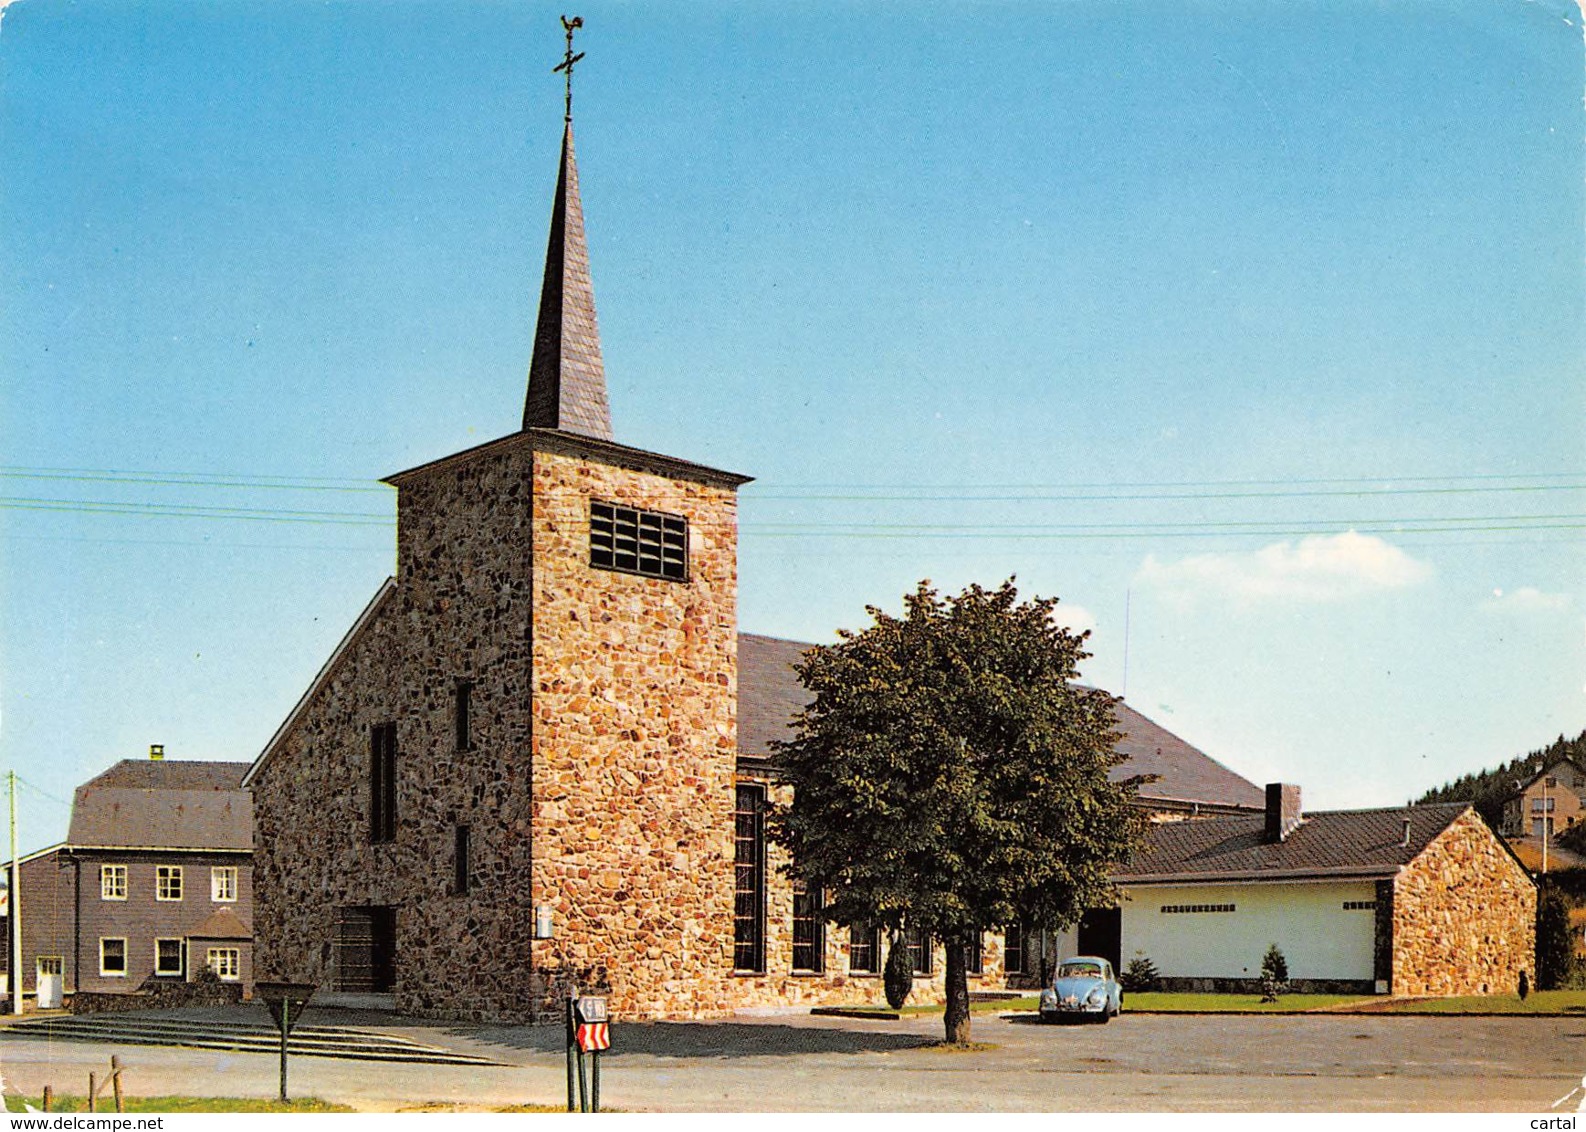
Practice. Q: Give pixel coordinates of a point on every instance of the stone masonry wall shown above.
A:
(1464, 916)
(465, 555)
(311, 813)
(634, 743)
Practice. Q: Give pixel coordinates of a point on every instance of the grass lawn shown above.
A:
(1171, 1003)
(1539, 1002)
(107, 1104)
(1242, 1003)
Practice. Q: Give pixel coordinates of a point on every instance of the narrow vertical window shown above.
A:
(460, 861)
(382, 782)
(465, 690)
(748, 919)
(864, 949)
(809, 929)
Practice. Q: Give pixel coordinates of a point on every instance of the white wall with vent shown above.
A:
(1320, 937)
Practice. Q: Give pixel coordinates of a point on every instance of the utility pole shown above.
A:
(14, 910)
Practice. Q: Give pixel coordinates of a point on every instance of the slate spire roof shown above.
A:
(567, 378)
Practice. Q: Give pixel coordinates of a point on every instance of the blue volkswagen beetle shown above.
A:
(1083, 987)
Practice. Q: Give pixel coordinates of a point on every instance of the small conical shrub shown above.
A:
(898, 977)
(1140, 975)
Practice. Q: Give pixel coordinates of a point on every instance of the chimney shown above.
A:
(1283, 811)
(156, 751)
(1404, 842)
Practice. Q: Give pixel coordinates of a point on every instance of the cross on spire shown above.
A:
(566, 65)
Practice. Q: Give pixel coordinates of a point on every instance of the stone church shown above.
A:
(538, 756)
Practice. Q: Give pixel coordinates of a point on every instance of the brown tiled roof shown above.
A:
(769, 694)
(223, 923)
(1364, 843)
(172, 803)
(567, 378)
(1185, 773)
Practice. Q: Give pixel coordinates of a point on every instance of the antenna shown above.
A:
(1124, 693)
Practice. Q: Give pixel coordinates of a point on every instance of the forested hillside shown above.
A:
(1489, 788)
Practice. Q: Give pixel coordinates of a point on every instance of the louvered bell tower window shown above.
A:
(651, 543)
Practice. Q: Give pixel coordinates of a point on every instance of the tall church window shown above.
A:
(809, 929)
(864, 949)
(919, 943)
(975, 954)
(626, 539)
(1014, 952)
(748, 913)
(382, 782)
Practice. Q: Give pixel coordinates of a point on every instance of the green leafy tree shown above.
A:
(950, 775)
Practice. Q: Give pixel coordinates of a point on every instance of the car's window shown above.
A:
(1080, 971)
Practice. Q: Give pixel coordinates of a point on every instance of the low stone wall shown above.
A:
(156, 995)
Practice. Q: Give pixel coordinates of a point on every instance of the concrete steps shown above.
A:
(243, 1037)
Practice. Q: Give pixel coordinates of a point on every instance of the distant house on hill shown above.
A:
(1547, 803)
(154, 882)
(1418, 900)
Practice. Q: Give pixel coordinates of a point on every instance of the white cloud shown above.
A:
(1074, 617)
(1318, 568)
(1526, 599)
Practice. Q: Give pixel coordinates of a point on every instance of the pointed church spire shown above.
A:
(567, 378)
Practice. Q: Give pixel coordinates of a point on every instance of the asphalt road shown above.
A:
(1326, 1063)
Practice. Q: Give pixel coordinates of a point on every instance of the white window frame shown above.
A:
(222, 878)
(181, 956)
(108, 874)
(103, 971)
(166, 878)
(226, 962)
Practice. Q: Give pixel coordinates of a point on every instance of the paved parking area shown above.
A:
(799, 1063)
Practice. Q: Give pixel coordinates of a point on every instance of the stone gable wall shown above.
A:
(634, 745)
(1464, 916)
(311, 813)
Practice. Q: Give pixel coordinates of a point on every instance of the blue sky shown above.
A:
(1260, 322)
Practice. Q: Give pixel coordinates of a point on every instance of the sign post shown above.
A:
(588, 1031)
(286, 1002)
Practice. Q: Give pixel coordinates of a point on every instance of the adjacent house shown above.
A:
(1416, 900)
(154, 883)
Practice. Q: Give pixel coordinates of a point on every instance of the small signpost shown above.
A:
(588, 1031)
(286, 1002)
